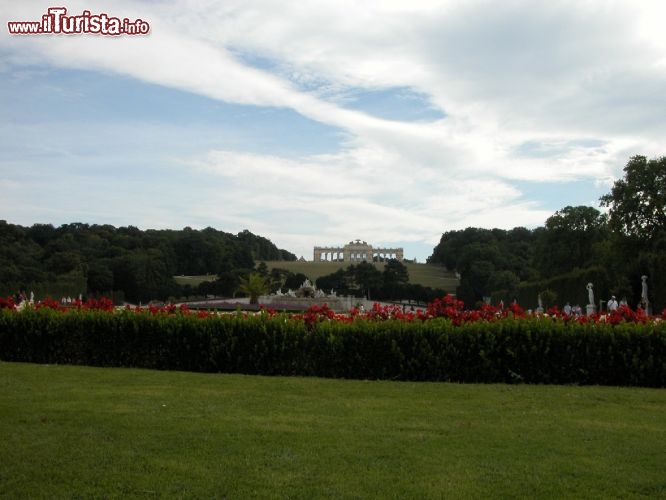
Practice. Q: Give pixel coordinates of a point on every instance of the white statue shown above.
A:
(590, 294)
(644, 291)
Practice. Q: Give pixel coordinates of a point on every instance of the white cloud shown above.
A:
(539, 92)
(263, 190)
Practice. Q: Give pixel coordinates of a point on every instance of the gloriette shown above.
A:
(356, 251)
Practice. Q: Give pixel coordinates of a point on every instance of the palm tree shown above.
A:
(254, 285)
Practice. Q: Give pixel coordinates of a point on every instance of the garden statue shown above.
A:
(644, 295)
(590, 294)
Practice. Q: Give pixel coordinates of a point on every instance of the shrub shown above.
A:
(443, 343)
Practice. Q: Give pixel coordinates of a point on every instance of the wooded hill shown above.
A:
(125, 262)
(577, 245)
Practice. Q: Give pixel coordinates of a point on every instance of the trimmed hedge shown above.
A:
(534, 350)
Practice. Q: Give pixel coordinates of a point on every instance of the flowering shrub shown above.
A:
(447, 307)
(443, 341)
(7, 303)
(316, 313)
(625, 313)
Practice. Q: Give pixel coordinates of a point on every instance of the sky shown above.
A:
(314, 123)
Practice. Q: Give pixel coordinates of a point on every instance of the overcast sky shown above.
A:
(315, 123)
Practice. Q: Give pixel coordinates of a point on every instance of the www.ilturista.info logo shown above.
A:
(57, 22)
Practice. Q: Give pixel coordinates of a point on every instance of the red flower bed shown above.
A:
(7, 303)
(447, 307)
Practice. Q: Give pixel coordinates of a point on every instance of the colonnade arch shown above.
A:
(356, 251)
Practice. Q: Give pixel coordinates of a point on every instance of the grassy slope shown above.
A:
(423, 274)
(89, 432)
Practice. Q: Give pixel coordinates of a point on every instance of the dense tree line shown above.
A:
(576, 245)
(125, 262)
(366, 281)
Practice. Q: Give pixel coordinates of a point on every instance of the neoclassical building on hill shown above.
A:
(356, 251)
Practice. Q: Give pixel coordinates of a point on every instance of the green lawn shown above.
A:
(78, 432)
(420, 274)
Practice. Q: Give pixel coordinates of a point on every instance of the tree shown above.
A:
(569, 240)
(338, 281)
(478, 275)
(637, 215)
(63, 262)
(262, 269)
(100, 278)
(226, 284)
(367, 278)
(505, 282)
(262, 248)
(142, 276)
(293, 281)
(637, 203)
(395, 276)
(253, 285)
(395, 272)
(476, 254)
(276, 278)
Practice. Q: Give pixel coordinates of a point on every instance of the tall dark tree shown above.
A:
(261, 248)
(395, 276)
(367, 279)
(637, 202)
(480, 254)
(262, 269)
(293, 281)
(637, 214)
(569, 239)
(337, 281)
(100, 278)
(504, 282)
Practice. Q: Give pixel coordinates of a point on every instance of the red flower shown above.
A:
(8, 303)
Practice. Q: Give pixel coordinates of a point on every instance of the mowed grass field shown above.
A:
(80, 432)
(421, 274)
(430, 275)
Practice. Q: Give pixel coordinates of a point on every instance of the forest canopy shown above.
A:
(577, 245)
(125, 262)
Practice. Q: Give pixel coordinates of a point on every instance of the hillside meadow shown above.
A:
(433, 276)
